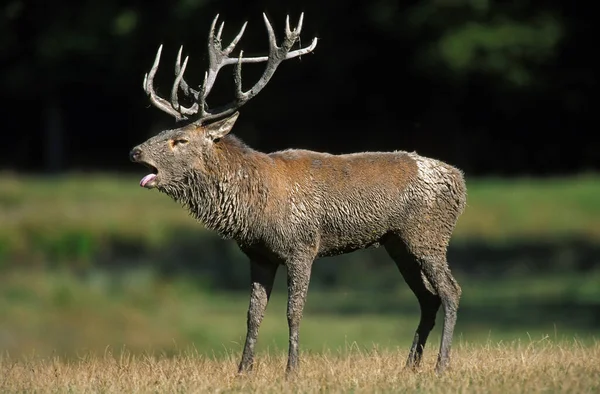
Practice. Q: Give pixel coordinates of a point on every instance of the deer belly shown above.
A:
(334, 243)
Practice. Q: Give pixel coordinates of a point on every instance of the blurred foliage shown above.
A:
(487, 37)
(504, 48)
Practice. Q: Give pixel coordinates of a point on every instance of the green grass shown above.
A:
(531, 208)
(95, 204)
(105, 204)
(52, 313)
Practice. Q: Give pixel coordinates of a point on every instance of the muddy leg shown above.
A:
(429, 301)
(298, 278)
(262, 278)
(438, 274)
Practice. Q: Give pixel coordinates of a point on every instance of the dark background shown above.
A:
(495, 88)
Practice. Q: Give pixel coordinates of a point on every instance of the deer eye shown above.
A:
(179, 141)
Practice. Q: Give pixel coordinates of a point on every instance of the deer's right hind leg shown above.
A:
(429, 300)
(262, 276)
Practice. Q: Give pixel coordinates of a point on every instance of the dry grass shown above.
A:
(536, 366)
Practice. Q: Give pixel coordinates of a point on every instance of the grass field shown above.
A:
(104, 204)
(51, 313)
(86, 329)
(536, 366)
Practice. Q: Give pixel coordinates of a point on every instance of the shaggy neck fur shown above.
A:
(228, 194)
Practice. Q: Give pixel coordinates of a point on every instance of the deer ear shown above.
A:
(221, 128)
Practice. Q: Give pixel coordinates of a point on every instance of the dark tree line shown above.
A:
(494, 87)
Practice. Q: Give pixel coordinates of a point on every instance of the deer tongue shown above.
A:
(147, 180)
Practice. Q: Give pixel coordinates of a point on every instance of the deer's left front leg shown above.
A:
(262, 277)
(298, 278)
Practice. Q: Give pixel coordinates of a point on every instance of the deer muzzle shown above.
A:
(148, 181)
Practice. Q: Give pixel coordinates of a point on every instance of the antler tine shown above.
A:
(291, 36)
(149, 77)
(287, 25)
(176, 84)
(272, 39)
(298, 28)
(152, 73)
(211, 34)
(235, 41)
(237, 78)
(202, 97)
(158, 102)
(178, 60)
(277, 54)
(214, 57)
(175, 100)
(220, 31)
(217, 59)
(184, 85)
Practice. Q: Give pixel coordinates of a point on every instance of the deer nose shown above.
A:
(135, 154)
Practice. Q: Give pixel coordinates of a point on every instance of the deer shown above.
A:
(291, 207)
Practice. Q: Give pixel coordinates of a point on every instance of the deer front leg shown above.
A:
(298, 278)
(262, 276)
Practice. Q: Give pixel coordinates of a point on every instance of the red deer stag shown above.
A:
(293, 206)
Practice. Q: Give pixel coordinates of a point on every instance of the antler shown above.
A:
(218, 58)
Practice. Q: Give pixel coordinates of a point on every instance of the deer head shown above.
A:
(172, 154)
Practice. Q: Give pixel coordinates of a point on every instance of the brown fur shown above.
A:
(291, 207)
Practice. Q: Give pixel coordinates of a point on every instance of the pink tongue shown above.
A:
(147, 179)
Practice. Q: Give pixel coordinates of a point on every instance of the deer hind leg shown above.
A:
(429, 300)
(436, 276)
(262, 278)
(436, 269)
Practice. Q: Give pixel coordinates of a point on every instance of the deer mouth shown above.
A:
(149, 181)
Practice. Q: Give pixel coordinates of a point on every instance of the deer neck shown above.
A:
(229, 194)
